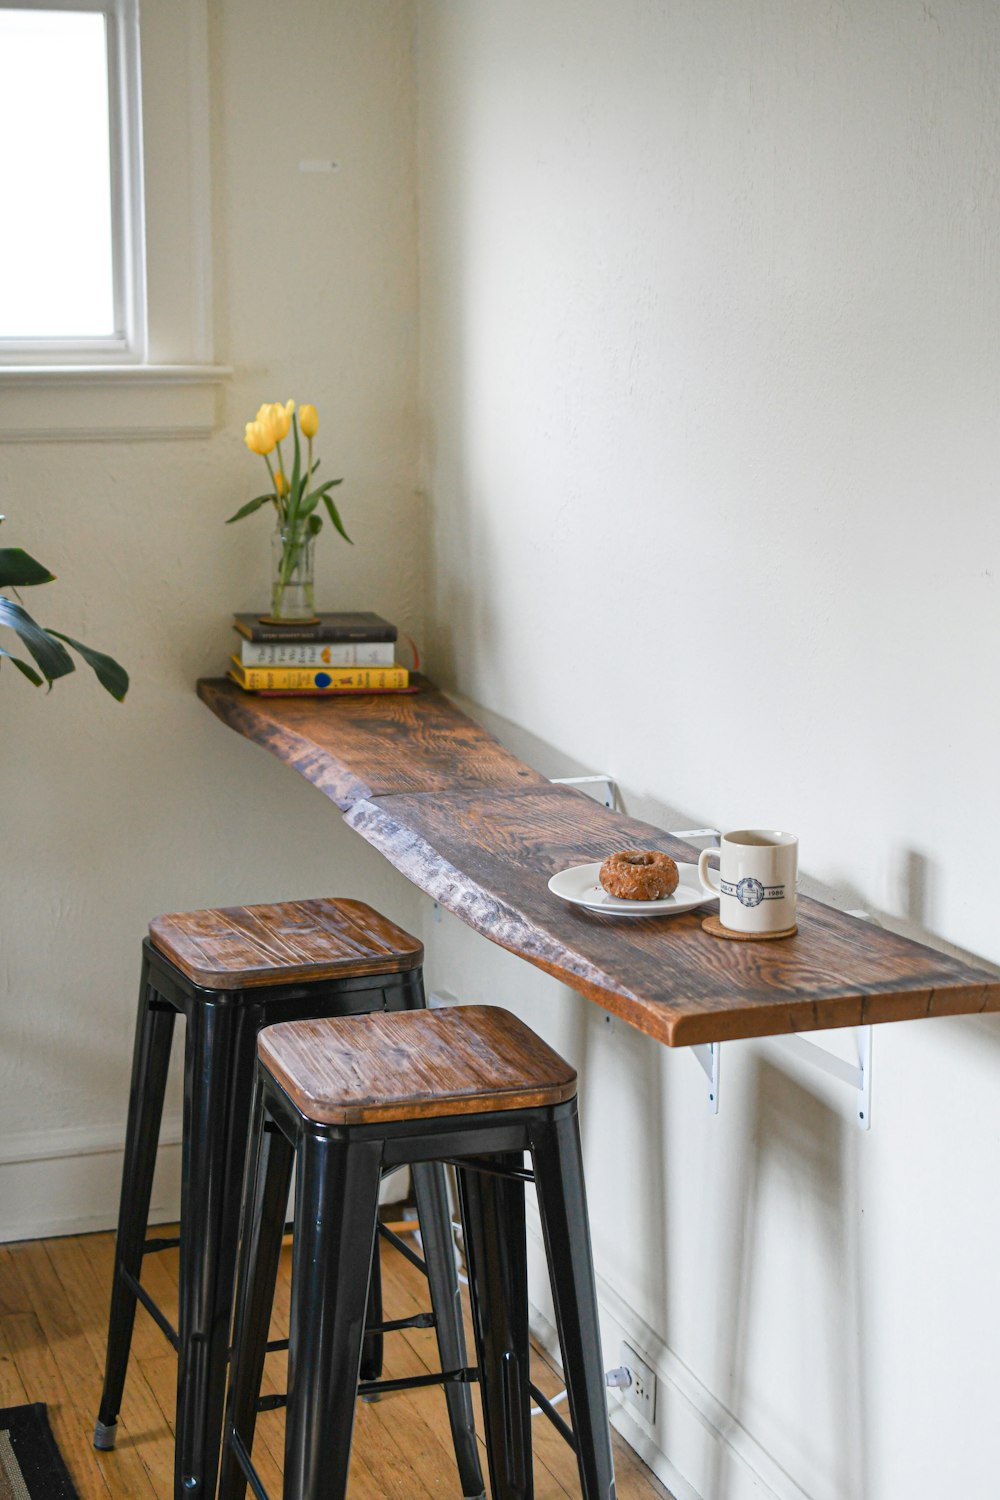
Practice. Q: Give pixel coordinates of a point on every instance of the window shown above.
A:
(72, 271)
(105, 255)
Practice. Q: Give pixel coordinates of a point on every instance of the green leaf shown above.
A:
(335, 518)
(311, 501)
(22, 666)
(110, 674)
(315, 525)
(53, 659)
(249, 508)
(18, 570)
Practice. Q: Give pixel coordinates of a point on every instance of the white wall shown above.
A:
(112, 814)
(710, 371)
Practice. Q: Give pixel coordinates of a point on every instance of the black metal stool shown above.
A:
(345, 1101)
(229, 973)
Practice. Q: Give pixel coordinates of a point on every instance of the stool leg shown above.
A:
(150, 1060)
(562, 1204)
(336, 1207)
(431, 1193)
(496, 1250)
(269, 1170)
(214, 1056)
(372, 1349)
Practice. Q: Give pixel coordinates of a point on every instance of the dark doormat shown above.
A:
(31, 1466)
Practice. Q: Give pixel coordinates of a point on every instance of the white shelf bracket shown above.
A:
(709, 1056)
(857, 1076)
(602, 779)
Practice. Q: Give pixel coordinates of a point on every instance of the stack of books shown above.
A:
(332, 655)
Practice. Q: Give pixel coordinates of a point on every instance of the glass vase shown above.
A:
(292, 557)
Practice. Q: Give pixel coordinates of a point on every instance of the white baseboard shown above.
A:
(696, 1447)
(67, 1181)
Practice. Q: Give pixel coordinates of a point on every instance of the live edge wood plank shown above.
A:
(480, 832)
(488, 858)
(371, 745)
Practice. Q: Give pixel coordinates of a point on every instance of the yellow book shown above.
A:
(325, 679)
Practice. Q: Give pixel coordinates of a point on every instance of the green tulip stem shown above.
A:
(281, 466)
(277, 497)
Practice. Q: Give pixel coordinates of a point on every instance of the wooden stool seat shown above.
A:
(236, 947)
(414, 1065)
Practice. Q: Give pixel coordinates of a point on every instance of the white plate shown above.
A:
(580, 886)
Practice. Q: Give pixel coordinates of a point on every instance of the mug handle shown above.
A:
(704, 872)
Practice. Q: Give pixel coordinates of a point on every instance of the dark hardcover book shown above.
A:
(359, 626)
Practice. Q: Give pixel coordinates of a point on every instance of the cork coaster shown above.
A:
(290, 624)
(713, 926)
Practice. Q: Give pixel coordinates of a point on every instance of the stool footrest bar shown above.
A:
(467, 1376)
(404, 1249)
(394, 1325)
(387, 1387)
(154, 1312)
(153, 1247)
(548, 1410)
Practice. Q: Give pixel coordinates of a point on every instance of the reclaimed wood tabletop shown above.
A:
(481, 833)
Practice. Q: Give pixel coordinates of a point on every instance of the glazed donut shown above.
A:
(639, 875)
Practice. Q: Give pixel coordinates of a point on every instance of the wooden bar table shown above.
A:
(481, 833)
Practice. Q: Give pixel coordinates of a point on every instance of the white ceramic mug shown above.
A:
(758, 868)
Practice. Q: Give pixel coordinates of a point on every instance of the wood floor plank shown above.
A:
(40, 1371)
(13, 1294)
(52, 1349)
(142, 1426)
(80, 1368)
(12, 1391)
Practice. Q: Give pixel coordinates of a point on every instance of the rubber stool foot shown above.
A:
(104, 1435)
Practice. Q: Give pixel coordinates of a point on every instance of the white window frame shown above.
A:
(157, 377)
(128, 342)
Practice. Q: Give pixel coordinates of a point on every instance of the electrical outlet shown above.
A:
(641, 1394)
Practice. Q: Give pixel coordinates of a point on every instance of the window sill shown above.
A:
(108, 403)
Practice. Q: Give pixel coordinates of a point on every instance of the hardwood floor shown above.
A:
(53, 1307)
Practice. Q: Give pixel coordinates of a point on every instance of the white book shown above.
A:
(317, 654)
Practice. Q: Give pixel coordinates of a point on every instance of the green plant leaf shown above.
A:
(54, 660)
(334, 515)
(315, 525)
(18, 570)
(109, 673)
(250, 507)
(22, 666)
(311, 501)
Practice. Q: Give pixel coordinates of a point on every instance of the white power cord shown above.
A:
(619, 1380)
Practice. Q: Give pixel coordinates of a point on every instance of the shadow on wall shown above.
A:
(805, 1151)
(640, 1091)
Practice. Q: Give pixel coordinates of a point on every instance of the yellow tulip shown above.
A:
(276, 418)
(281, 483)
(308, 420)
(258, 438)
